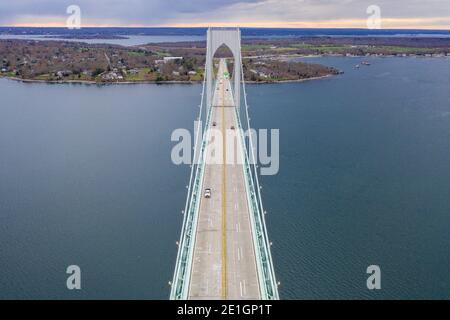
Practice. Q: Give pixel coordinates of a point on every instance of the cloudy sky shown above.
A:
(421, 14)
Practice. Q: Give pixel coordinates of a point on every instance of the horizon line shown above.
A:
(206, 27)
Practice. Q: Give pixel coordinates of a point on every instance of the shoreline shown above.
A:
(292, 81)
(290, 57)
(86, 82)
(187, 82)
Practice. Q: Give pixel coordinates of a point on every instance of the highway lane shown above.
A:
(224, 265)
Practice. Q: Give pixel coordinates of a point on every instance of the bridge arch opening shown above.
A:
(217, 40)
(190, 271)
(223, 52)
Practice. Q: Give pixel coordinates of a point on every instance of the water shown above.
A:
(365, 179)
(141, 36)
(128, 41)
(246, 32)
(86, 178)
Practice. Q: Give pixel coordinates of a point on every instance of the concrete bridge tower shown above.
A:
(230, 37)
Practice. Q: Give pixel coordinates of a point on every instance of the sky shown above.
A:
(401, 14)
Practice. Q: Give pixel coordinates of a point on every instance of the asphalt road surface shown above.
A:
(224, 266)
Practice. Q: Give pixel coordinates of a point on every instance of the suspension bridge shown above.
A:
(224, 249)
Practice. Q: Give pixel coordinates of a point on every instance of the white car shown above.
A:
(208, 193)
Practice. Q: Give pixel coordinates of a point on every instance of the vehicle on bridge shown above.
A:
(228, 274)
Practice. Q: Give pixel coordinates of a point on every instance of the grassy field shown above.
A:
(341, 49)
(256, 47)
(408, 50)
(73, 77)
(8, 74)
(43, 77)
(198, 77)
(144, 74)
(321, 47)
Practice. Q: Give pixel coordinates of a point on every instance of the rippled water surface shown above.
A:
(86, 178)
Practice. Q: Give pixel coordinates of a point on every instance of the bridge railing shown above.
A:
(180, 284)
(266, 273)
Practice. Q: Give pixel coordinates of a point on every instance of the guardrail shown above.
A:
(266, 273)
(180, 284)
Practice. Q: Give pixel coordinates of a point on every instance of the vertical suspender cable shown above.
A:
(257, 179)
(186, 209)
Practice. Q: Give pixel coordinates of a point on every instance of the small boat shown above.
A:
(357, 66)
(366, 63)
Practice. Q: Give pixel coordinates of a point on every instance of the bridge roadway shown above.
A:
(224, 264)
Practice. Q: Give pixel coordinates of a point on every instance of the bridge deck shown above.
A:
(224, 264)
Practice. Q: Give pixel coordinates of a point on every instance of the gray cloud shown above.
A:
(156, 12)
(123, 11)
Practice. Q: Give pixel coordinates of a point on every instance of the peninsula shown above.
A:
(264, 60)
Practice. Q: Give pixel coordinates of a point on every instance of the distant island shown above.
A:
(84, 37)
(264, 60)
